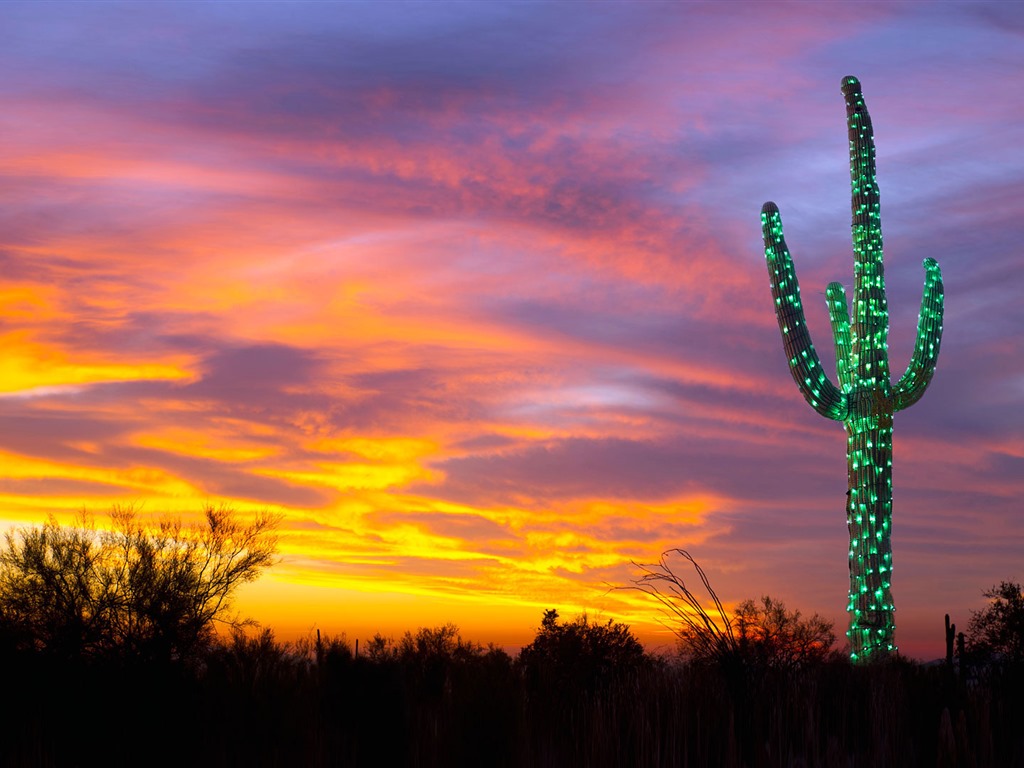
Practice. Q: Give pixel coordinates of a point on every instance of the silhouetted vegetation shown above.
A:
(580, 653)
(438, 700)
(997, 631)
(704, 633)
(581, 693)
(757, 636)
(256, 701)
(770, 636)
(130, 591)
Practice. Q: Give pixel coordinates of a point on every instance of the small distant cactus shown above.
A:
(950, 637)
(864, 398)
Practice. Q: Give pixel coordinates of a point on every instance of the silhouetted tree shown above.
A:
(443, 643)
(380, 649)
(430, 656)
(998, 630)
(580, 653)
(768, 635)
(128, 591)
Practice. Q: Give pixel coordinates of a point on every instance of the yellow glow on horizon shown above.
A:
(388, 556)
(360, 610)
(359, 614)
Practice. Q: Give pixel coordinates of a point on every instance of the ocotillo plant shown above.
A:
(864, 399)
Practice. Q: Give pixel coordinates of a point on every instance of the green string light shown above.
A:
(864, 399)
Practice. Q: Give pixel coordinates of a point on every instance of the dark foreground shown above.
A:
(259, 704)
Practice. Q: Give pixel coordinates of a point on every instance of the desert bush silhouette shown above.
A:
(132, 592)
(580, 653)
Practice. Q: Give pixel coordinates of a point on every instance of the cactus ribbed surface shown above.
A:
(863, 398)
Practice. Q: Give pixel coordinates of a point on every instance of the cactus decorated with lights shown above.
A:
(864, 398)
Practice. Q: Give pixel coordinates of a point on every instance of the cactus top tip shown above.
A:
(850, 85)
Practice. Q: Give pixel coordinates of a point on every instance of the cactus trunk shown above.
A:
(869, 519)
(864, 398)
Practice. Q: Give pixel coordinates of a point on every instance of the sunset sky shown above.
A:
(475, 295)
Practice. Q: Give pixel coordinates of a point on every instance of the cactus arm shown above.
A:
(918, 375)
(839, 314)
(804, 365)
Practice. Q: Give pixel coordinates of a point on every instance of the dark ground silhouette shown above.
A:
(254, 701)
(109, 658)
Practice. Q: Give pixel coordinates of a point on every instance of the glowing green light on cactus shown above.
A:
(865, 399)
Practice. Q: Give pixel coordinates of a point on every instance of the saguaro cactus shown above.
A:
(864, 398)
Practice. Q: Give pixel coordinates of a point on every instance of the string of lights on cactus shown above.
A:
(864, 399)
